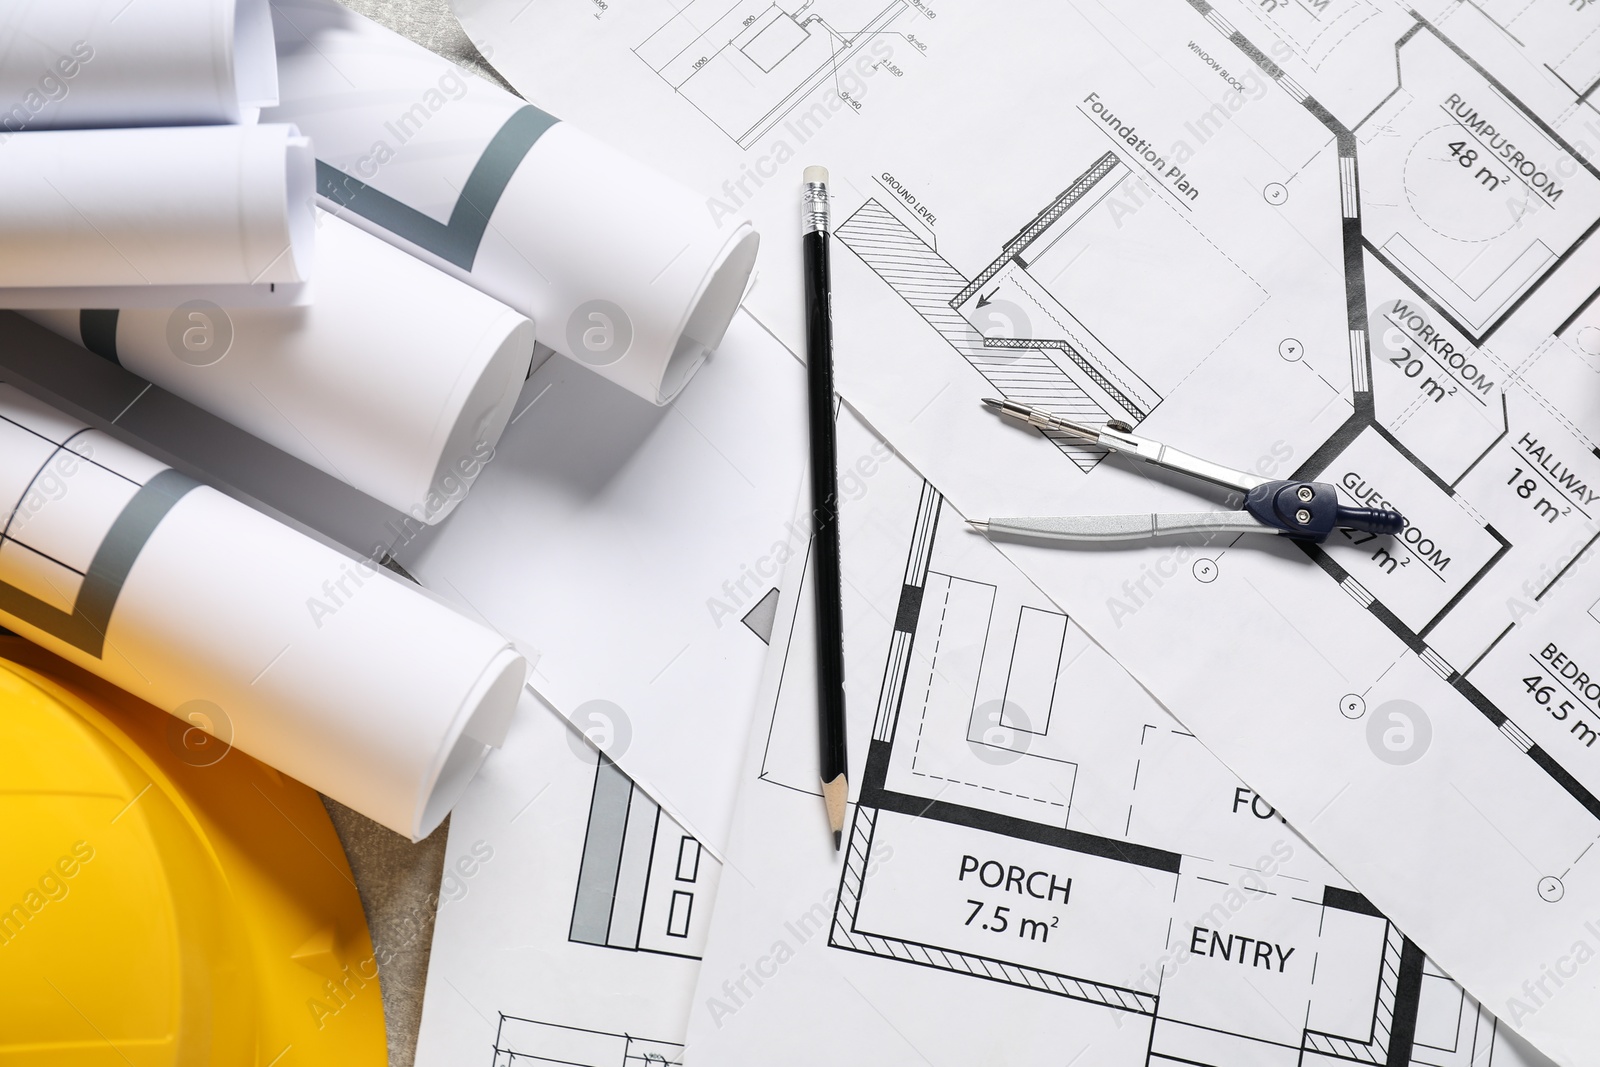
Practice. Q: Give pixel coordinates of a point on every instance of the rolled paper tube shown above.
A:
(153, 209)
(619, 266)
(76, 64)
(327, 668)
(397, 380)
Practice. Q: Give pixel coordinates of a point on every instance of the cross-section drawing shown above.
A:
(1017, 321)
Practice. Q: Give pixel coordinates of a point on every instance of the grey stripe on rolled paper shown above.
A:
(455, 241)
(84, 627)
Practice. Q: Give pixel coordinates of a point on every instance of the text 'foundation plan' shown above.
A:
(1346, 240)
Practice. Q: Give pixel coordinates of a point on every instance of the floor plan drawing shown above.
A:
(1363, 959)
(1345, 241)
(1028, 819)
(1563, 39)
(1469, 402)
(748, 64)
(1423, 228)
(1312, 30)
(1443, 204)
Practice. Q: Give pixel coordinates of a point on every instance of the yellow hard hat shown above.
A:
(163, 898)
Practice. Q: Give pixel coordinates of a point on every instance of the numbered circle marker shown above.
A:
(1275, 194)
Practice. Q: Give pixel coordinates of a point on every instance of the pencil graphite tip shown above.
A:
(838, 840)
(836, 794)
(992, 404)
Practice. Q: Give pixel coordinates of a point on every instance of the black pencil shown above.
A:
(825, 500)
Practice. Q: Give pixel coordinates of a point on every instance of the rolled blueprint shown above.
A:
(327, 668)
(619, 266)
(398, 380)
(73, 64)
(155, 212)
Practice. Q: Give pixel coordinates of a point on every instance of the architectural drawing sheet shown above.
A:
(629, 549)
(1343, 240)
(1042, 866)
(572, 914)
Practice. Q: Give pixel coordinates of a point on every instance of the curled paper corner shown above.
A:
(530, 654)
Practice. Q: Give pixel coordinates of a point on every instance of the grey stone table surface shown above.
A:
(429, 23)
(398, 880)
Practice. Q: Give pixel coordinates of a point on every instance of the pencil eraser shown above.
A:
(816, 175)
